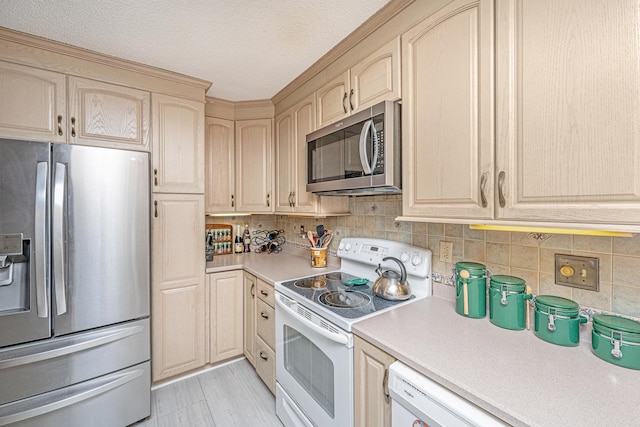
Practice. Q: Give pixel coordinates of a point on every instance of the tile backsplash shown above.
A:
(524, 255)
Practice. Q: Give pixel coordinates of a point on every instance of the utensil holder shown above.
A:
(318, 257)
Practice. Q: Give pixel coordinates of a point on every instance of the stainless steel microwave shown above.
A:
(359, 155)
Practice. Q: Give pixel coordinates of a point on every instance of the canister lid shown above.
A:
(562, 306)
(474, 268)
(512, 283)
(616, 323)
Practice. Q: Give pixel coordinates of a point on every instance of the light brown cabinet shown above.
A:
(33, 104)
(178, 284)
(219, 165)
(292, 127)
(107, 115)
(447, 113)
(265, 361)
(250, 308)
(254, 166)
(372, 401)
(374, 79)
(178, 145)
(225, 315)
(567, 111)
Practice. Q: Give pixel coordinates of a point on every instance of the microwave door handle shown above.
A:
(366, 167)
(376, 143)
(58, 238)
(42, 303)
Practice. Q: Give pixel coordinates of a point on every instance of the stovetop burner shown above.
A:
(311, 283)
(345, 299)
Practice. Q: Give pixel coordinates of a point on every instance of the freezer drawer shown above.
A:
(41, 367)
(117, 399)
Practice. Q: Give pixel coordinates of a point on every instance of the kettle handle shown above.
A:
(403, 270)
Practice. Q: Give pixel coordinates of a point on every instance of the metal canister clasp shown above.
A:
(552, 319)
(503, 292)
(616, 352)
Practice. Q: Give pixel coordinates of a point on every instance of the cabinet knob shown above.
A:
(351, 100)
(155, 177)
(155, 204)
(233, 201)
(344, 102)
(73, 127)
(293, 199)
(263, 356)
(60, 125)
(264, 316)
(268, 200)
(253, 291)
(265, 293)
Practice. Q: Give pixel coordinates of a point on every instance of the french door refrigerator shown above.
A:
(74, 285)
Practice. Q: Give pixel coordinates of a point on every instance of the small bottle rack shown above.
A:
(219, 238)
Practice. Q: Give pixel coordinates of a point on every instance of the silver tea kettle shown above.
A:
(391, 285)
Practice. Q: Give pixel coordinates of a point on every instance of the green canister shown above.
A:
(557, 320)
(471, 289)
(617, 340)
(507, 301)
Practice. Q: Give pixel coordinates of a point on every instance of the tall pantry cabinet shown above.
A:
(178, 296)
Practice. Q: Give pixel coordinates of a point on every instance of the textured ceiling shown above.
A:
(248, 49)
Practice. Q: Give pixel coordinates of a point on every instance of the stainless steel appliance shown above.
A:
(74, 285)
(360, 154)
(314, 316)
(419, 401)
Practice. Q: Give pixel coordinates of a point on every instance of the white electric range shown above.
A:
(314, 316)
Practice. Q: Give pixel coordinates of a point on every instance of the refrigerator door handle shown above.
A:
(42, 302)
(58, 239)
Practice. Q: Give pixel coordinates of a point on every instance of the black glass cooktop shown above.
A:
(334, 292)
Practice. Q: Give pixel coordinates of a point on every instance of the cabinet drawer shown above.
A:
(265, 321)
(266, 364)
(265, 292)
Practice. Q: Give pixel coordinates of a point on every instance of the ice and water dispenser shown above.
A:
(14, 273)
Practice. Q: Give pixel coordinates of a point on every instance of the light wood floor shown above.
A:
(231, 395)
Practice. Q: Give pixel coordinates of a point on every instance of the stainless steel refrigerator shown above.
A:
(74, 285)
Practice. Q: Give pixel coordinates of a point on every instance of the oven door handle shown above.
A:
(333, 337)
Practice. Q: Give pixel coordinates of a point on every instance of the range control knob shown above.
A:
(416, 260)
(341, 246)
(404, 257)
(347, 246)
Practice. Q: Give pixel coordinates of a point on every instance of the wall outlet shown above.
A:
(446, 251)
(577, 271)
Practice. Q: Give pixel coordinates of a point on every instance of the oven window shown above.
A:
(310, 367)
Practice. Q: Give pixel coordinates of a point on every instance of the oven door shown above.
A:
(314, 367)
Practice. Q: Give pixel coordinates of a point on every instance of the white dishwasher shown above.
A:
(418, 401)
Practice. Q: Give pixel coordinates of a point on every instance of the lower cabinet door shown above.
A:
(266, 364)
(225, 315)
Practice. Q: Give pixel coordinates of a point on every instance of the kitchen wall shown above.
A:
(517, 254)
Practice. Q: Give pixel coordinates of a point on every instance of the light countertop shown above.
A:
(512, 374)
(286, 265)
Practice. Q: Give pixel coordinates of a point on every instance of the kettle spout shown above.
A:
(379, 270)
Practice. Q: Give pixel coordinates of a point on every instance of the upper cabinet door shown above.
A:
(377, 77)
(447, 113)
(32, 105)
(220, 165)
(333, 100)
(285, 148)
(304, 122)
(178, 145)
(568, 111)
(254, 166)
(106, 115)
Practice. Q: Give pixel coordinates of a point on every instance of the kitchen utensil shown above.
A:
(392, 285)
(529, 291)
(557, 320)
(507, 301)
(356, 282)
(312, 240)
(326, 240)
(471, 289)
(320, 230)
(616, 340)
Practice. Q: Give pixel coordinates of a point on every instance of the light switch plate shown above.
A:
(577, 271)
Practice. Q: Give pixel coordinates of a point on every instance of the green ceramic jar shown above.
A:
(507, 301)
(616, 340)
(557, 320)
(471, 289)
